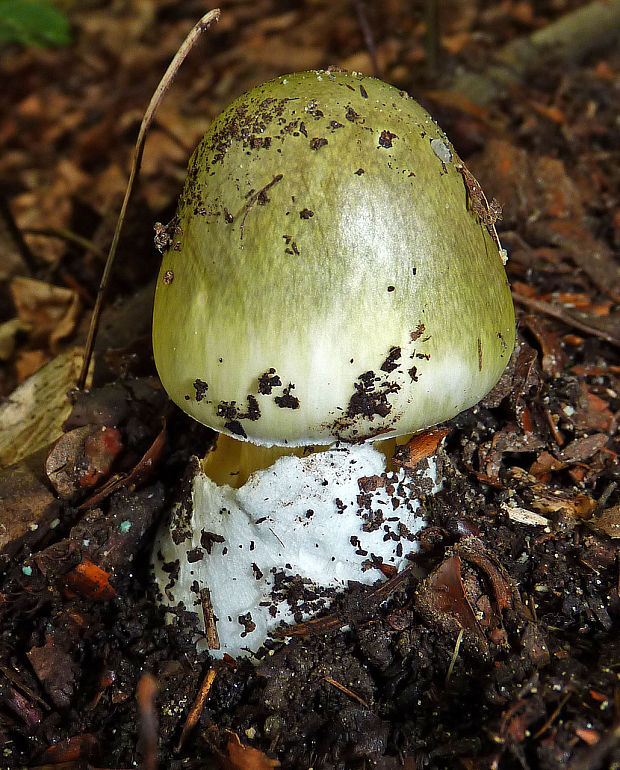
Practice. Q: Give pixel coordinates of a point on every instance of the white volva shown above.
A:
(278, 549)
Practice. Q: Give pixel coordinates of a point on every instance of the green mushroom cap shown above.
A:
(331, 273)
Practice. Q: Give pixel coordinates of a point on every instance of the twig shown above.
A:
(165, 83)
(570, 319)
(213, 640)
(602, 501)
(553, 717)
(569, 39)
(369, 40)
(334, 622)
(197, 707)
(145, 695)
(345, 690)
(66, 235)
(431, 36)
(455, 655)
(12, 233)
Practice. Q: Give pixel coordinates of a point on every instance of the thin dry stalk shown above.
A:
(165, 83)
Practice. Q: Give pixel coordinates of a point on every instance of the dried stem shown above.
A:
(165, 83)
(586, 325)
(11, 234)
(197, 707)
(369, 39)
(66, 235)
(431, 37)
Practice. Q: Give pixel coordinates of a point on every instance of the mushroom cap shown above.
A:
(328, 275)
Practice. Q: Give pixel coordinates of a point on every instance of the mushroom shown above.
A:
(332, 277)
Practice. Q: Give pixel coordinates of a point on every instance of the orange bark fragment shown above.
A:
(90, 581)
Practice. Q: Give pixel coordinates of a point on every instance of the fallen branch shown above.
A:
(569, 39)
(585, 324)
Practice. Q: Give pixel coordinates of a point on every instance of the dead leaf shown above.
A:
(543, 202)
(524, 516)
(28, 506)
(28, 363)
(553, 358)
(136, 477)
(455, 596)
(441, 600)
(546, 499)
(544, 464)
(506, 594)
(419, 447)
(56, 670)
(51, 312)
(78, 747)
(32, 416)
(594, 414)
(8, 332)
(608, 522)
(509, 440)
(593, 256)
(583, 448)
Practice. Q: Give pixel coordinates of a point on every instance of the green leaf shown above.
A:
(33, 22)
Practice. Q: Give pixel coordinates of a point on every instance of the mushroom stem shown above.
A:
(232, 461)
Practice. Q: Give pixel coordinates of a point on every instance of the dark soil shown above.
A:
(499, 647)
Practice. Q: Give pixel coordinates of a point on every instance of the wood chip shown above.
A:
(525, 516)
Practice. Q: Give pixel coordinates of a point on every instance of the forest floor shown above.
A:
(519, 666)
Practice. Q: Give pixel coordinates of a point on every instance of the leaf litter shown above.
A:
(498, 647)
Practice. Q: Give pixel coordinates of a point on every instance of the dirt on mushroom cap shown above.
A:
(319, 230)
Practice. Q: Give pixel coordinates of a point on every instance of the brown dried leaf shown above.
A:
(8, 332)
(583, 448)
(506, 594)
(28, 363)
(441, 600)
(520, 375)
(32, 416)
(49, 204)
(56, 670)
(508, 440)
(546, 499)
(594, 414)
(593, 256)
(28, 506)
(525, 184)
(137, 476)
(88, 580)
(544, 463)
(553, 358)
(51, 312)
(535, 645)
(608, 522)
(78, 747)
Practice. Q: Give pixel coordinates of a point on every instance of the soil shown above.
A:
(499, 646)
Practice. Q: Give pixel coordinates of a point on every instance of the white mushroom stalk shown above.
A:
(278, 549)
(333, 274)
